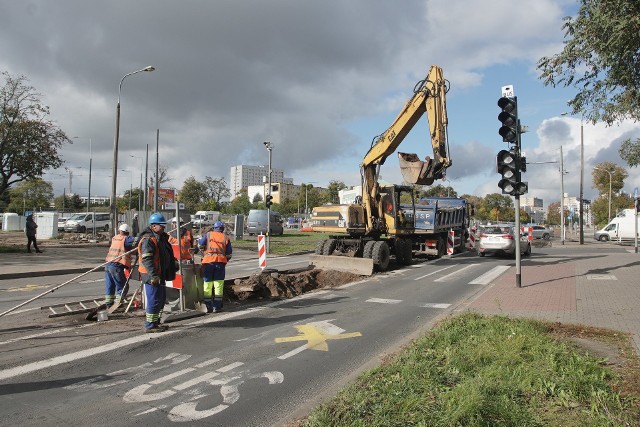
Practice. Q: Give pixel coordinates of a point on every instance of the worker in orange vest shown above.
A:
(157, 265)
(217, 250)
(185, 249)
(117, 262)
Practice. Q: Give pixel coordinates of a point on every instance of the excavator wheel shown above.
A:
(399, 246)
(320, 246)
(329, 246)
(368, 249)
(381, 255)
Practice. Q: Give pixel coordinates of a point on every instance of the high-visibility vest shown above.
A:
(216, 248)
(156, 255)
(186, 242)
(116, 249)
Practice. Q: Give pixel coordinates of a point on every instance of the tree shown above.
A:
(257, 198)
(33, 195)
(600, 59)
(439, 191)
(333, 191)
(601, 178)
(241, 204)
(498, 207)
(192, 194)
(164, 178)
(630, 152)
(29, 141)
(217, 190)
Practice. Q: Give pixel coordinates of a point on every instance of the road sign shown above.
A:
(172, 205)
(508, 91)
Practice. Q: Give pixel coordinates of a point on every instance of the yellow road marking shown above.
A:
(316, 338)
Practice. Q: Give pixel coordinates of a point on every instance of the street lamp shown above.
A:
(610, 180)
(562, 173)
(139, 201)
(580, 218)
(90, 161)
(268, 146)
(114, 205)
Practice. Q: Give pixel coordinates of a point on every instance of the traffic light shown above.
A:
(508, 164)
(268, 200)
(509, 119)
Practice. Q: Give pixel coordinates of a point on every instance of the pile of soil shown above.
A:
(286, 285)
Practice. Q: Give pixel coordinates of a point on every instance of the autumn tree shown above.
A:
(29, 140)
(216, 190)
(439, 191)
(333, 191)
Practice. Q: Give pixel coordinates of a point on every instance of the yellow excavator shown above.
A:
(386, 219)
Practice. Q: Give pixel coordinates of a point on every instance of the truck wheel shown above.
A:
(442, 247)
(319, 247)
(408, 256)
(329, 247)
(368, 249)
(106, 227)
(381, 256)
(603, 238)
(400, 250)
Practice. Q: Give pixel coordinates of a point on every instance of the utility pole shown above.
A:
(268, 146)
(155, 193)
(561, 197)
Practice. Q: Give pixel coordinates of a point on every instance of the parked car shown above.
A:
(540, 232)
(81, 222)
(257, 222)
(500, 239)
(61, 222)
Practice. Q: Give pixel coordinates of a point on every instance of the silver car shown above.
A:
(499, 239)
(540, 232)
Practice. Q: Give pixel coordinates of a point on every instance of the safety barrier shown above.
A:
(450, 242)
(262, 259)
(472, 238)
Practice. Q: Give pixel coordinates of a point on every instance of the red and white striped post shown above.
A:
(450, 240)
(262, 253)
(530, 236)
(472, 238)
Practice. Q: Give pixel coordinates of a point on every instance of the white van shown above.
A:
(257, 222)
(205, 218)
(83, 222)
(621, 227)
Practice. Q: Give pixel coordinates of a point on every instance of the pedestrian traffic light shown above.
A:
(509, 119)
(268, 201)
(508, 165)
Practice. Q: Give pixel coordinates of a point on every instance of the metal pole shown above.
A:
(517, 238)
(610, 179)
(146, 181)
(89, 190)
(155, 193)
(269, 207)
(581, 219)
(561, 197)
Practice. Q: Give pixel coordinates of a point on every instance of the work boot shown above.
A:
(217, 305)
(155, 329)
(38, 251)
(209, 305)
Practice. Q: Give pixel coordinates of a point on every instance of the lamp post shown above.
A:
(268, 146)
(580, 218)
(562, 173)
(90, 161)
(140, 189)
(114, 205)
(610, 180)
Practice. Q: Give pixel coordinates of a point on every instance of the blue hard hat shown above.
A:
(157, 218)
(218, 225)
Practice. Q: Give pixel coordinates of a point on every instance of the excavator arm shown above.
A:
(430, 97)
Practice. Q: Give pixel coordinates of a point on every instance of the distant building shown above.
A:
(243, 176)
(534, 208)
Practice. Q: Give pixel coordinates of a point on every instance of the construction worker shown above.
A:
(184, 249)
(114, 271)
(217, 250)
(157, 265)
(135, 227)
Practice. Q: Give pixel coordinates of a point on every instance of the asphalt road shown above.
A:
(260, 365)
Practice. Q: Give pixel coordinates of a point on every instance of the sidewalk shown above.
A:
(594, 284)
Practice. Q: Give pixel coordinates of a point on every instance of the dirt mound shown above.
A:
(287, 285)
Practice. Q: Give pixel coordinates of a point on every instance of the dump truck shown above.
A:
(387, 219)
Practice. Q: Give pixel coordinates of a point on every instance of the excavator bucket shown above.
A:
(415, 171)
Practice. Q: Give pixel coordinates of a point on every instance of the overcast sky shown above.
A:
(319, 80)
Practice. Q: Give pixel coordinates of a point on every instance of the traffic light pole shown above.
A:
(516, 198)
(268, 245)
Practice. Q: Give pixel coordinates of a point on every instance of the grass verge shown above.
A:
(474, 370)
(288, 243)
